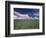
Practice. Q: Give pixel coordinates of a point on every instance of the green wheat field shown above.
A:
(26, 24)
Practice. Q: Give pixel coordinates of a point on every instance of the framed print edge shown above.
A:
(7, 19)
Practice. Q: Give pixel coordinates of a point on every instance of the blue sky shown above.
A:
(30, 12)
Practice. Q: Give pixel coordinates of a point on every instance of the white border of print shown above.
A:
(12, 31)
